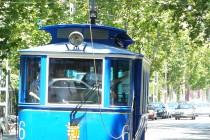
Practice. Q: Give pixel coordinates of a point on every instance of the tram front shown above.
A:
(84, 85)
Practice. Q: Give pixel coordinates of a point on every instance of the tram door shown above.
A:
(141, 88)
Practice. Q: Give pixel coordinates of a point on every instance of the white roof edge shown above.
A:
(67, 48)
(81, 55)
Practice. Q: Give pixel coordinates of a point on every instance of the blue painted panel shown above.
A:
(52, 125)
(21, 79)
(43, 78)
(137, 93)
(107, 80)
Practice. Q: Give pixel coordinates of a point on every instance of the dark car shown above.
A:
(185, 110)
(160, 109)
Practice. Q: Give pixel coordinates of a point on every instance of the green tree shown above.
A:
(169, 32)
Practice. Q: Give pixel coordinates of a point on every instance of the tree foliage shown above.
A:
(173, 34)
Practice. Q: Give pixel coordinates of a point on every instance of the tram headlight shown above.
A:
(76, 38)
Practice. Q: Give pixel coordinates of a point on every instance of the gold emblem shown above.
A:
(73, 132)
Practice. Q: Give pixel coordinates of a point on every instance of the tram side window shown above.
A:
(30, 69)
(120, 82)
(73, 81)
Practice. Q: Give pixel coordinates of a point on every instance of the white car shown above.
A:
(185, 110)
(66, 90)
(202, 108)
(171, 107)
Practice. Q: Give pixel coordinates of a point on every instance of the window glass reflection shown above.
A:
(30, 73)
(74, 81)
(120, 82)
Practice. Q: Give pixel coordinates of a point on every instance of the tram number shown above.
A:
(73, 132)
(22, 132)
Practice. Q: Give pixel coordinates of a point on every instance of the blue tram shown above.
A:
(83, 85)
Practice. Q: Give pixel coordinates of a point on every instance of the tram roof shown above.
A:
(101, 34)
(85, 48)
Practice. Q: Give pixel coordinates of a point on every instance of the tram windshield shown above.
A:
(74, 81)
(120, 82)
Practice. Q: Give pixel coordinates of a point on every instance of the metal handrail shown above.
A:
(142, 125)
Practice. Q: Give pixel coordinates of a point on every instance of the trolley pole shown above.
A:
(93, 12)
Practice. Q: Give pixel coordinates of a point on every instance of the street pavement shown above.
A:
(9, 137)
(184, 129)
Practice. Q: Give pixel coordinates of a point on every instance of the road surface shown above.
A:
(9, 137)
(184, 129)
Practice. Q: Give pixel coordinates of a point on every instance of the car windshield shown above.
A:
(185, 106)
(172, 105)
(157, 105)
(150, 107)
(202, 105)
(73, 81)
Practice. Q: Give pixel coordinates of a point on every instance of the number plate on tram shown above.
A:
(73, 132)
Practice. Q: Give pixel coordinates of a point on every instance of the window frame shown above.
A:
(130, 61)
(23, 84)
(73, 104)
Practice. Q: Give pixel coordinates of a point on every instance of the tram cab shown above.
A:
(84, 85)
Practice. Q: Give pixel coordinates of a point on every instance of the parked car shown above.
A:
(185, 110)
(202, 108)
(160, 109)
(171, 107)
(152, 113)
